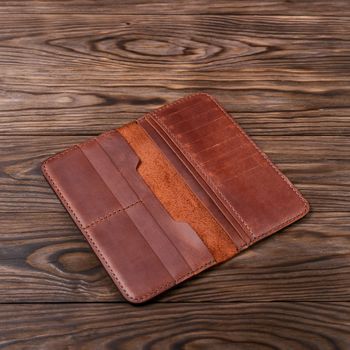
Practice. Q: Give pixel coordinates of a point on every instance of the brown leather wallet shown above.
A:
(171, 194)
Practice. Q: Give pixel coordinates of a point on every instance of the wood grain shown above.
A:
(77, 74)
(196, 7)
(71, 69)
(239, 326)
(330, 121)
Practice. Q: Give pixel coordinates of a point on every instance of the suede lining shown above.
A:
(174, 194)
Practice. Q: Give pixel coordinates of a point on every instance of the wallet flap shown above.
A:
(240, 177)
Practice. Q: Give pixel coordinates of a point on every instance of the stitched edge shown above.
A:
(259, 236)
(92, 242)
(111, 213)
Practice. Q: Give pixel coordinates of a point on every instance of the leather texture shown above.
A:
(227, 180)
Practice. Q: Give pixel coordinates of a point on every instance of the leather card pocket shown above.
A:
(142, 247)
(198, 184)
(241, 179)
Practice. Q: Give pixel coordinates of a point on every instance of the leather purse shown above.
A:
(165, 197)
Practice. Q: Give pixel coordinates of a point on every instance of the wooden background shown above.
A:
(72, 69)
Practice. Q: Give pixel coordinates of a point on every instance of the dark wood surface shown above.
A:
(72, 69)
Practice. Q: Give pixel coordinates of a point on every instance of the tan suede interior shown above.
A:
(177, 198)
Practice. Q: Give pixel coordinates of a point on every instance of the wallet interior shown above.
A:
(175, 195)
(167, 196)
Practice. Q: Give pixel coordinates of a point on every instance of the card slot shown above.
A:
(162, 246)
(241, 167)
(197, 183)
(214, 151)
(109, 173)
(193, 130)
(181, 150)
(230, 166)
(207, 151)
(184, 240)
(222, 154)
(192, 119)
(270, 210)
(201, 139)
(142, 246)
(270, 188)
(177, 111)
(129, 258)
(81, 185)
(253, 170)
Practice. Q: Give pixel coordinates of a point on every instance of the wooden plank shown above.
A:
(319, 166)
(75, 74)
(192, 44)
(88, 122)
(142, 7)
(298, 326)
(72, 69)
(44, 258)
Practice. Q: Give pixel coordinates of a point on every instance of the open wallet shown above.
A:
(171, 194)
